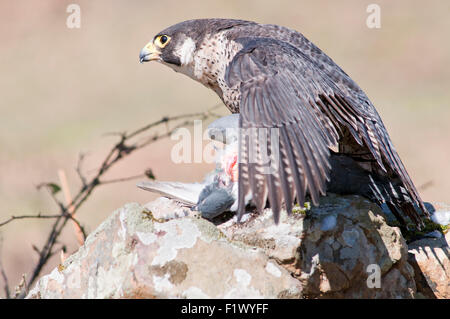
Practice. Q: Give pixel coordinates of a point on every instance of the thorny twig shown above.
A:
(79, 169)
(27, 217)
(123, 148)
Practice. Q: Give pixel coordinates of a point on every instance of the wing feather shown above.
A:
(283, 88)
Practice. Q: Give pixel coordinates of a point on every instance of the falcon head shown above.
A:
(174, 46)
(177, 45)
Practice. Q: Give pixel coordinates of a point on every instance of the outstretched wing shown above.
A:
(292, 112)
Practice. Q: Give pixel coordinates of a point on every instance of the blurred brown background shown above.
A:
(62, 89)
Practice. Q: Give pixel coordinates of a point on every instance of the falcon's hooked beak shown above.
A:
(149, 53)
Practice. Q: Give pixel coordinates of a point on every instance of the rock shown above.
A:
(163, 209)
(131, 255)
(430, 259)
(333, 250)
(341, 249)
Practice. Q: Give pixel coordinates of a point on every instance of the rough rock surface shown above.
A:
(332, 251)
(130, 255)
(341, 249)
(430, 258)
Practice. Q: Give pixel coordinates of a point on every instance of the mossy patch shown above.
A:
(301, 210)
(149, 215)
(411, 233)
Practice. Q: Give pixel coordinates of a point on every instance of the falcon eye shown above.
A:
(162, 40)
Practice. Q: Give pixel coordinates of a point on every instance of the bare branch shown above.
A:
(120, 150)
(81, 157)
(27, 216)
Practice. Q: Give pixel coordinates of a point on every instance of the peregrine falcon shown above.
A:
(295, 104)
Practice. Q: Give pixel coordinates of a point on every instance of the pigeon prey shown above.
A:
(218, 191)
(295, 104)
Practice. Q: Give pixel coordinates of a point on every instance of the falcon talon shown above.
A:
(278, 80)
